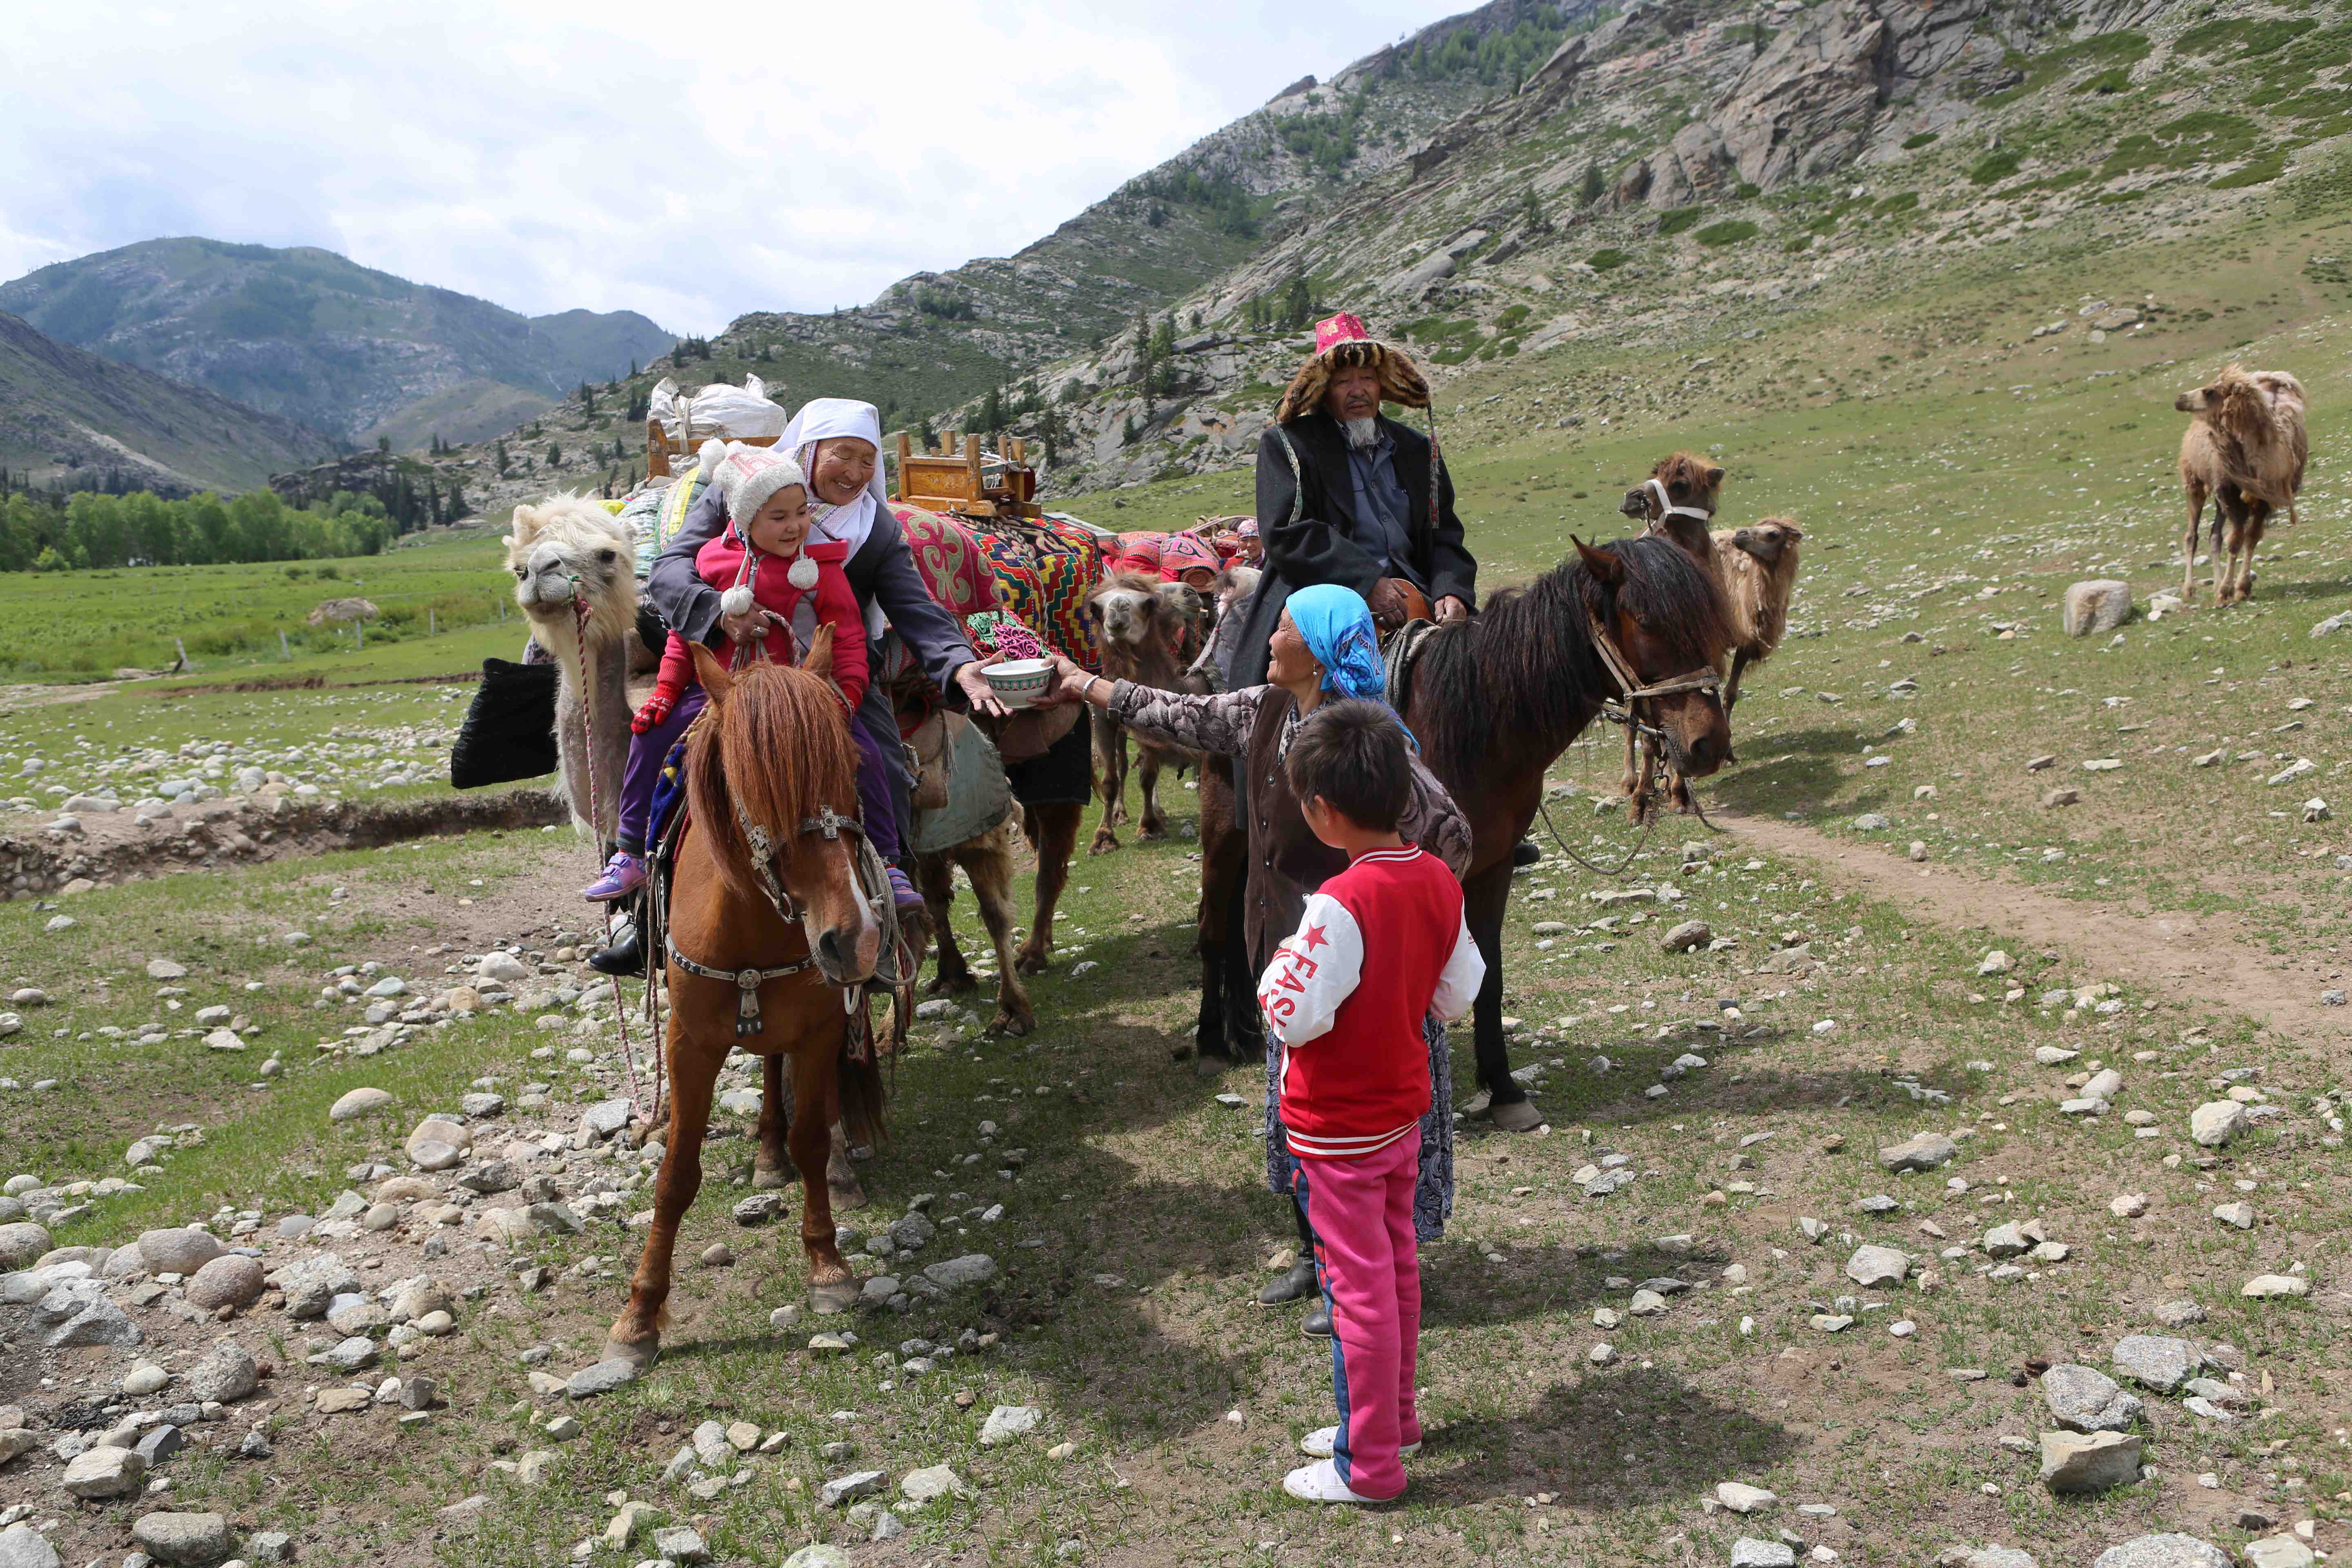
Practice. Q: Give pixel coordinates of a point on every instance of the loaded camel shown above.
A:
(2246, 449)
(567, 554)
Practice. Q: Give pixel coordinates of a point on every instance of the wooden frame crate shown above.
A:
(949, 480)
(661, 451)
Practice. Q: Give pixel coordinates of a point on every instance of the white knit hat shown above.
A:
(747, 476)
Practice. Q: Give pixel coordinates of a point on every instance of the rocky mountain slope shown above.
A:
(65, 414)
(313, 336)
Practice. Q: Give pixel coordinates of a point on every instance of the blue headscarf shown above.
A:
(1338, 628)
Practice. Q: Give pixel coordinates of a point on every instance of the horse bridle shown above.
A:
(826, 824)
(1632, 690)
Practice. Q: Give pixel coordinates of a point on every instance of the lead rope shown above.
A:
(580, 615)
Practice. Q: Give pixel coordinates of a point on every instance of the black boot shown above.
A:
(626, 956)
(1299, 1281)
(1525, 853)
(1317, 1323)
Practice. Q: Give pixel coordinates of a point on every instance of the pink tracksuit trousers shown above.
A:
(1362, 1211)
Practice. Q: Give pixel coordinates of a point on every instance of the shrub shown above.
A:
(1919, 139)
(1677, 220)
(1607, 260)
(1727, 233)
(1994, 167)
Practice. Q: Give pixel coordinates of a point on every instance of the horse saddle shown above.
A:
(1416, 606)
(1400, 651)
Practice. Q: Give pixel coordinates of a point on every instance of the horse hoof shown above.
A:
(1012, 1024)
(1103, 845)
(768, 1177)
(837, 1297)
(640, 1355)
(1031, 964)
(852, 1196)
(1477, 1107)
(1519, 1116)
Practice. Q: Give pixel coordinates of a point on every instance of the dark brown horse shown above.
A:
(1496, 700)
(765, 883)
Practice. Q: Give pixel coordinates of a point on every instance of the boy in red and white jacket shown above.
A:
(1382, 945)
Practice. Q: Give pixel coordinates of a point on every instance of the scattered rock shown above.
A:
(21, 1243)
(230, 1281)
(1872, 1267)
(22, 1546)
(2241, 1215)
(2279, 1551)
(602, 1378)
(1686, 936)
(2098, 605)
(104, 1472)
(2166, 1551)
(2217, 1121)
(841, 1489)
(2084, 1399)
(925, 1486)
(182, 1538)
(359, 1102)
(1924, 1153)
(1740, 1498)
(1007, 1421)
(177, 1250)
(2262, 1285)
(226, 1375)
(971, 1269)
(1750, 1553)
(2089, 1462)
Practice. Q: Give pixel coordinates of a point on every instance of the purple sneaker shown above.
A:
(902, 891)
(624, 875)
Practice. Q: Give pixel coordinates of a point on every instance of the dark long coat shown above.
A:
(1319, 544)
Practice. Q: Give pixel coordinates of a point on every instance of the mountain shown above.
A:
(62, 410)
(1660, 187)
(313, 336)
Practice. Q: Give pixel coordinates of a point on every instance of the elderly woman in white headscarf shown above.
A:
(838, 443)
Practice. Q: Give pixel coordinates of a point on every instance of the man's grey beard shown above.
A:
(1363, 433)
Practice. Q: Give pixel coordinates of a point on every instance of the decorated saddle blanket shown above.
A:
(1039, 572)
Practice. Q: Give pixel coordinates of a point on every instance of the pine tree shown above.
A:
(1594, 185)
(502, 457)
(1127, 432)
(992, 410)
(554, 454)
(633, 370)
(384, 444)
(1297, 303)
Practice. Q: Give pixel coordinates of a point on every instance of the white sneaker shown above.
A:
(1321, 1443)
(1320, 1482)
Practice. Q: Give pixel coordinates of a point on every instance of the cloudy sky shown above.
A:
(799, 155)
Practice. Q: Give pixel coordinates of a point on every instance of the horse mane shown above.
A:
(1526, 664)
(776, 749)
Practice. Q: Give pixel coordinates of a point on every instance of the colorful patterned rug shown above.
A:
(1038, 571)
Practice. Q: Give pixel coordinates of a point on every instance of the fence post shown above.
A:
(359, 629)
(283, 651)
(432, 622)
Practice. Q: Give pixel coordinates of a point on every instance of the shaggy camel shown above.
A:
(2246, 449)
(1149, 631)
(1678, 501)
(1758, 568)
(568, 549)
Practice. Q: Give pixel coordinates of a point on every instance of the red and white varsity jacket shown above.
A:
(1382, 945)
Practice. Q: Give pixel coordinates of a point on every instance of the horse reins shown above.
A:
(580, 615)
(1621, 710)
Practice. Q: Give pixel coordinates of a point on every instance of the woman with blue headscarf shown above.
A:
(1324, 648)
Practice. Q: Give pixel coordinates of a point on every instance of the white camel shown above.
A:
(567, 551)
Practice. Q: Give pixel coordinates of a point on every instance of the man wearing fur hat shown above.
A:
(1348, 497)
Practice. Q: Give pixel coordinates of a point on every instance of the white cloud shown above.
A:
(549, 156)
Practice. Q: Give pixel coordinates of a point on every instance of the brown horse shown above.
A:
(1495, 700)
(765, 885)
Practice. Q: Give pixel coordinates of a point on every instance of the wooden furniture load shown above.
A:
(957, 482)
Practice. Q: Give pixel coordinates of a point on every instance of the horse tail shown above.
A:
(859, 1076)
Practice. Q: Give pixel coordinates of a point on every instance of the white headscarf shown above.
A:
(824, 419)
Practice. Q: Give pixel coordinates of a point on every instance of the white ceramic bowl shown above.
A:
(1019, 682)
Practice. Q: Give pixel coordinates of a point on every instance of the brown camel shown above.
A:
(765, 884)
(1149, 632)
(1758, 568)
(1678, 501)
(2246, 448)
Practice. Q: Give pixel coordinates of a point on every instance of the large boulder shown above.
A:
(2084, 1399)
(104, 1472)
(191, 1539)
(2100, 605)
(179, 1250)
(2089, 1462)
(226, 1373)
(21, 1243)
(231, 1279)
(2166, 1551)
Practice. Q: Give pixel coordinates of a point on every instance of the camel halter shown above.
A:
(1668, 509)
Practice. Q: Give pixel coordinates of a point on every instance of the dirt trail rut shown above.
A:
(2204, 959)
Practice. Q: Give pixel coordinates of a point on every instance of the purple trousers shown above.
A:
(646, 752)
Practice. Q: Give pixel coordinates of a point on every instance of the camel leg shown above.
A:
(1645, 792)
(1632, 771)
(832, 1287)
(1110, 763)
(992, 885)
(771, 1166)
(1057, 836)
(635, 1336)
(935, 877)
(2227, 510)
(1740, 660)
(1147, 784)
(2196, 489)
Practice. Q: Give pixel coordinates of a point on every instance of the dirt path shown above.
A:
(2203, 959)
(16, 696)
